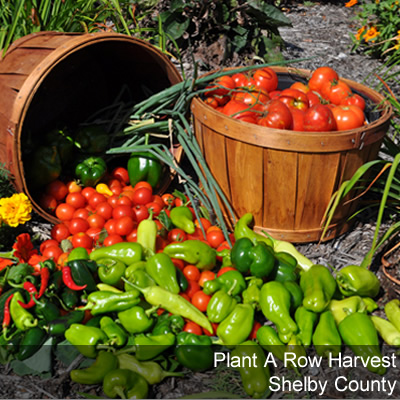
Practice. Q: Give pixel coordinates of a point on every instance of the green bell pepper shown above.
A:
(145, 166)
(167, 323)
(182, 218)
(115, 333)
(269, 340)
(161, 268)
(295, 347)
(150, 346)
(220, 306)
(237, 326)
(259, 259)
(105, 362)
(78, 253)
(326, 337)
(126, 384)
(306, 321)
(386, 330)
(126, 252)
(342, 308)
(136, 319)
(110, 270)
(359, 281)
(318, 286)
(285, 268)
(359, 333)
(150, 370)
(91, 171)
(275, 301)
(92, 139)
(231, 282)
(194, 252)
(194, 351)
(255, 377)
(44, 166)
(296, 294)
(85, 338)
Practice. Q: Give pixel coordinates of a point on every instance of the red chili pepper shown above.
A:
(68, 280)
(44, 280)
(30, 288)
(7, 315)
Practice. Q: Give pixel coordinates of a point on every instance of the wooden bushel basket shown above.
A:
(51, 79)
(286, 178)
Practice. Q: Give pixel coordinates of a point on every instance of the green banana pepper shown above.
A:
(370, 304)
(182, 218)
(105, 362)
(126, 252)
(150, 370)
(237, 326)
(115, 333)
(136, 319)
(194, 252)
(85, 338)
(161, 268)
(318, 286)
(251, 294)
(255, 377)
(326, 337)
(259, 259)
(220, 306)
(110, 270)
(92, 139)
(145, 166)
(22, 318)
(150, 346)
(386, 330)
(392, 311)
(147, 235)
(269, 340)
(359, 333)
(231, 282)
(359, 281)
(136, 274)
(126, 384)
(194, 351)
(285, 268)
(44, 166)
(342, 308)
(102, 302)
(275, 301)
(306, 321)
(91, 171)
(166, 323)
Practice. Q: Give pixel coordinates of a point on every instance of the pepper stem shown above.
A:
(8, 255)
(120, 391)
(132, 284)
(151, 310)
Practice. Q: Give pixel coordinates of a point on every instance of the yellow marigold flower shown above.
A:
(360, 32)
(15, 210)
(371, 34)
(351, 3)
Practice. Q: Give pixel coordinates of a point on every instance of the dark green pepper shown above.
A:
(194, 351)
(91, 171)
(82, 275)
(44, 167)
(58, 326)
(69, 298)
(220, 306)
(61, 139)
(31, 342)
(318, 286)
(127, 252)
(182, 218)
(285, 268)
(126, 384)
(166, 323)
(161, 268)
(326, 338)
(46, 310)
(359, 281)
(145, 166)
(296, 294)
(92, 139)
(110, 270)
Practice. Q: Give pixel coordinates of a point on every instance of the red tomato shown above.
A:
(121, 174)
(240, 79)
(348, 117)
(319, 118)
(320, 76)
(277, 116)
(82, 239)
(96, 221)
(124, 225)
(109, 226)
(335, 91)
(112, 239)
(313, 99)
(214, 326)
(157, 199)
(238, 110)
(354, 100)
(88, 191)
(52, 252)
(154, 207)
(47, 243)
(180, 264)
(193, 287)
(78, 225)
(191, 272)
(177, 235)
(60, 232)
(220, 86)
(168, 199)
(123, 211)
(294, 99)
(300, 86)
(65, 212)
(57, 189)
(81, 213)
(48, 202)
(132, 237)
(112, 200)
(206, 276)
(266, 78)
(94, 233)
(298, 119)
(251, 97)
(124, 200)
(211, 101)
(74, 187)
(95, 199)
(215, 238)
(192, 327)
(142, 196)
(200, 300)
(225, 269)
(104, 209)
(204, 221)
(76, 199)
(141, 213)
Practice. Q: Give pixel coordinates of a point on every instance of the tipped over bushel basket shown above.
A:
(287, 178)
(48, 79)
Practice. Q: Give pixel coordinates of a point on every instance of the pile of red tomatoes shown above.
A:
(325, 103)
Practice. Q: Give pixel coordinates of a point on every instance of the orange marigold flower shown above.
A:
(360, 32)
(371, 34)
(351, 3)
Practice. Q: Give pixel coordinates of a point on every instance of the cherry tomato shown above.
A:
(76, 199)
(277, 115)
(319, 118)
(154, 207)
(168, 199)
(192, 327)
(60, 232)
(121, 174)
(96, 221)
(95, 199)
(211, 101)
(214, 326)
(123, 211)
(94, 233)
(74, 187)
(300, 86)
(82, 239)
(193, 287)
(354, 100)
(180, 264)
(124, 225)
(177, 235)
(48, 203)
(253, 333)
(88, 191)
(112, 239)
(215, 238)
(132, 237)
(320, 76)
(81, 213)
(225, 269)
(78, 225)
(348, 117)
(57, 189)
(112, 200)
(266, 78)
(142, 196)
(200, 300)
(204, 221)
(185, 296)
(62, 259)
(191, 272)
(104, 209)
(65, 212)
(47, 243)
(141, 213)
(143, 184)
(109, 226)
(335, 91)
(220, 86)
(52, 252)
(206, 276)
(124, 200)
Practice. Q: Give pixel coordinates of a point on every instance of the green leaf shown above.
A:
(89, 396)
(18, 272)
(65, 352)
(267, 15)
(174, 27)
(177, 5)
(165, 220)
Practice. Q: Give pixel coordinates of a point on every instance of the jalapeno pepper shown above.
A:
(31, 342)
